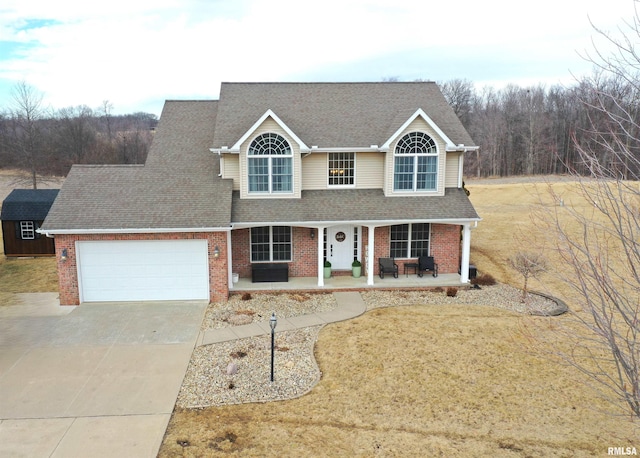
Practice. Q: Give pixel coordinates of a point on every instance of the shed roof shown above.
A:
(27, 204)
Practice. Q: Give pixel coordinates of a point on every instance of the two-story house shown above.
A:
(294, 173)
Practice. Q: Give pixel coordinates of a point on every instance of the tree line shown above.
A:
(540, 130)
(45, 142)
(520, 130)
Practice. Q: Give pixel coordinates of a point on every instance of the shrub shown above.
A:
(484, 280)
(451, 291)
(246, 296)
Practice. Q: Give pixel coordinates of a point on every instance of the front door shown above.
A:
(340, 246)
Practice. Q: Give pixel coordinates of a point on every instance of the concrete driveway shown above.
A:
(98, 380)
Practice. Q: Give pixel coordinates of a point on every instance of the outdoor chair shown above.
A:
(387, 266)
(427, 264)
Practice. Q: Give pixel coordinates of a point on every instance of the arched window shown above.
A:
(270, 164)
(415, 163)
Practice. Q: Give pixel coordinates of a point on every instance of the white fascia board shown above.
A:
(51, 232)
(376, 223)
(419, 113)
(346, 149)
(258, 123)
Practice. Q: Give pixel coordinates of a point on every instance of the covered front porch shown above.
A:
(346, 282)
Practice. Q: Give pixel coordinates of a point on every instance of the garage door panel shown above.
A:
(143, 270)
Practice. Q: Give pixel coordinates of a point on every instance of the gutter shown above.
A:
(461, 149)
(357, 222)
(52, 232)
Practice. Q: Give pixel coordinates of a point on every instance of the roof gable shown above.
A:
(268, 114)
(419, 113)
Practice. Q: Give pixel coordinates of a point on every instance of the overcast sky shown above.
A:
(137, 53)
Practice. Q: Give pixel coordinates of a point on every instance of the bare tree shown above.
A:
(529, 265)
(600, 245)
(26, 138)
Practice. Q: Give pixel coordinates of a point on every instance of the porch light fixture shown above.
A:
(216, 252)
(312, 233)
(63, 256)
(273, 322)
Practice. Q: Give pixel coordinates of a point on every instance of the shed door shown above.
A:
(128, 270)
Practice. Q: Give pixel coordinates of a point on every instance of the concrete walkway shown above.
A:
(350, 305)
(101, 380)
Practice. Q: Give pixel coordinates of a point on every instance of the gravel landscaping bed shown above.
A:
(238, 371)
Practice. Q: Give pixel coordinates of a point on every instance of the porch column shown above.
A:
(229, 261)
(370, 251)
(321, 256)
(466, 250)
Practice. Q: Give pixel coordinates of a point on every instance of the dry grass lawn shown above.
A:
(25, 275)
(29, 275)
(429, 380)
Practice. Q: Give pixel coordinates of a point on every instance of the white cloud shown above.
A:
(131, 52)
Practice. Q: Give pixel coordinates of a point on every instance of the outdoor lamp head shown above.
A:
(273, 321)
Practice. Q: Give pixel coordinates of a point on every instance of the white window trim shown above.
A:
(343, 186)
(415, 157)
(270, 157)
(408, 253)
(27, 230)
(271, 246)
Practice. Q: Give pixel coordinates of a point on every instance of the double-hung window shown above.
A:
(409, 240)
(415, 163)
(271, 243)
(27, 230)
(270, 165)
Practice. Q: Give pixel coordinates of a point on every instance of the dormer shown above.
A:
(268, 160)
(416, 160)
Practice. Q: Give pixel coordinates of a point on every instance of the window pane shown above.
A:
(419, 240)
(258, 174)
(420, 149)
(273, 171)
(403, 173)
(341, 169)
(427, 172)
(399, 241)
(260, 243)
(281, 236)
(282, 175)
(27, 230)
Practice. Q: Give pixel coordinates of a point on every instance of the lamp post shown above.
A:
(273, 322)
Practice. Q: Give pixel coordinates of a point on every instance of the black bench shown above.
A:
(269, 272)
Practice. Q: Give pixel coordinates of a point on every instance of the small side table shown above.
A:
(411, 265)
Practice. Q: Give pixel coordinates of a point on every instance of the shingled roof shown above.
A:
(27, 204)
(354, 205)
(334, 114)
(178, 188)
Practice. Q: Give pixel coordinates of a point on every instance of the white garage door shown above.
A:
(157, 270)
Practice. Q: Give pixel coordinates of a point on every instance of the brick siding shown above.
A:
(68, 271)
(445, 248)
